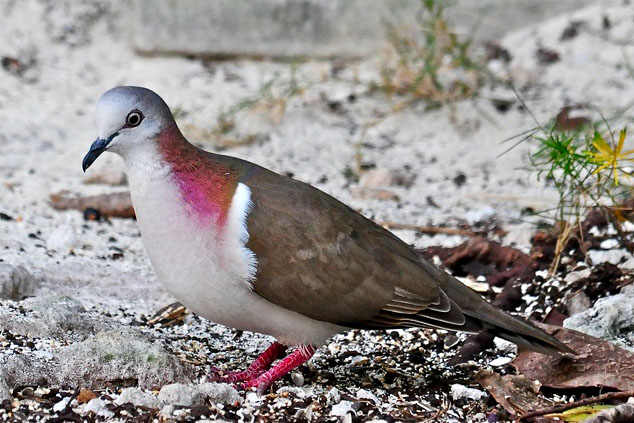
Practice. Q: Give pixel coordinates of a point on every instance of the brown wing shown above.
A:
(318, 257)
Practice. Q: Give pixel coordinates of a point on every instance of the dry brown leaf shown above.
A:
(85, 395)
(479, 256)
(599, 364)
(516, 393)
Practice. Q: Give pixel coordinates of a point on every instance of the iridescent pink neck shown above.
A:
(206, 186)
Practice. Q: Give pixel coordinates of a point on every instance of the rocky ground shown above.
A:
(77, 334)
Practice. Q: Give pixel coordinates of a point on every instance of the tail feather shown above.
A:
(500, 323)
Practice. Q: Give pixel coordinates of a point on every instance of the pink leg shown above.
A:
(256, 368)
(302, 354)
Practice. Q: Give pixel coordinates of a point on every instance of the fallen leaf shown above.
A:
(85, 395)
(580, 413)
(599, 363)
(516, 393)
(479, 256)
(117, 204)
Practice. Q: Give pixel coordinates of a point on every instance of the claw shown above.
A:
(259, 366)
(301, 355)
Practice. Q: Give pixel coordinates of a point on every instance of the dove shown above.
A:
(250, 249)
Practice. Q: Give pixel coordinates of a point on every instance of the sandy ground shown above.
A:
(69, 53)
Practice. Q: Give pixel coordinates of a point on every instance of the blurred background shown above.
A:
(417, 113)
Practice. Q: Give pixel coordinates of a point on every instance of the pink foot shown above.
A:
(301, 355)
(262, 363)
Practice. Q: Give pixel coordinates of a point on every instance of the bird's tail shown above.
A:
(499, 323)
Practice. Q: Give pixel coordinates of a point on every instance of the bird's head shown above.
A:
(128, 119)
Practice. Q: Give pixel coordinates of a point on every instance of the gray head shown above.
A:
(126, 118)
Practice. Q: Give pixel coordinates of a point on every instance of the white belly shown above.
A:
(209, 273)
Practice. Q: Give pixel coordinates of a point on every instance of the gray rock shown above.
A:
(577, 302)
(220, 393)
(179, 394)
(119, 355)
(182, 395)
(5, 393)
(109, 356)
(51, 316)
(138, 398)
(16, 283)
(611, 318)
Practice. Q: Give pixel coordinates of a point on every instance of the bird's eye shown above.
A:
(134, 119)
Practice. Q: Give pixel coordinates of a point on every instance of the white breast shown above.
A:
(206, 271)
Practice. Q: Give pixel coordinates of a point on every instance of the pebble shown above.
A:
(463, 392)
(342, 408)
(16, 283)
(576, 303)
(298, 379)
(192, 395)
(333, 396)
(577, 275)
(98, 406)
(500, 361)
(608, 244)
(59, 406)
(365, 394)
(138, 397)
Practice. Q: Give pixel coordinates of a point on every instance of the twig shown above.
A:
(433, 230)
(586, 401)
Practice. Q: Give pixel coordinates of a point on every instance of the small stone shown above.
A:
(342, 408)
(92, 214)
(139, 398)
(577, 275)
(365, 394)
(59, 406)
(500, 361)
(220, 393)
(167, 411)
(610, 318)
(459, 392)
(359, 360)
(98, 407)
(193, 395)
(577, 302)
(333, 396)
(16, 283)
(608, 244)
(298, 379)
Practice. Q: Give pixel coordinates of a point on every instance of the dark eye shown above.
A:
(134, 119)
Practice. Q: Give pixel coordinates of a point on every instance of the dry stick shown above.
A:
(586, 401)
(433, 230)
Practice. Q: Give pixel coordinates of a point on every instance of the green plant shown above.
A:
(584, 167)
(433, 63)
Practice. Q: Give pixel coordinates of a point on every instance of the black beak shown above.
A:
(99, 146)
